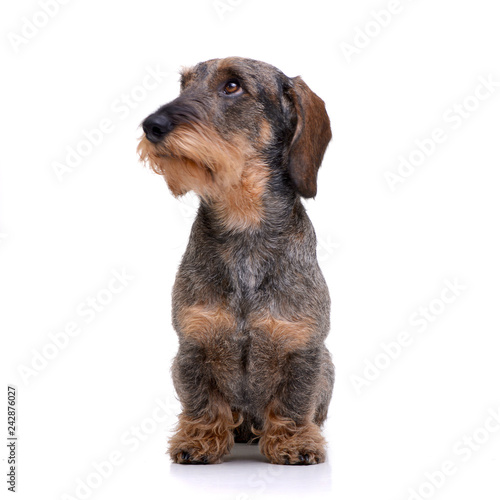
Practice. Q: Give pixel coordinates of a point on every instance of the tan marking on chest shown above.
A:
(288, 335)
(204, 323)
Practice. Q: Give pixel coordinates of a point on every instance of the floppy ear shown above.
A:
(312, 135)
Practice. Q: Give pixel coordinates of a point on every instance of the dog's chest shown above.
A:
(248, 265)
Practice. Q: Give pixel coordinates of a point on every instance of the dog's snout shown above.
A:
(157, 126)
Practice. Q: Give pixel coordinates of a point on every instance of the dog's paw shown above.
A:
(286, 455)
(298, 457)
(206, 452)
(289, 445)
(202, 440)
(209, 449)
(193, 457)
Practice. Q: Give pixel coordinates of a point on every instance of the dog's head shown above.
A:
(234, 120)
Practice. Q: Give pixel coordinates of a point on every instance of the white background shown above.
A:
(384, 253)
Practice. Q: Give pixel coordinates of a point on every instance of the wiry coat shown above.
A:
(250, 304)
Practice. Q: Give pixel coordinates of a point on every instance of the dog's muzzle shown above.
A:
(157, 126)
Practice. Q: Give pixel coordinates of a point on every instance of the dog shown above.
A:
(250, 305)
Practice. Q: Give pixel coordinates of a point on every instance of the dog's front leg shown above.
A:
(206, 374)
(291, 377)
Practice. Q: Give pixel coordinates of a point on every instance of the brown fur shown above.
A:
(240, 206)
(207, 438)
(219, 171)
(285, 335)
(283, 441)
(311, 137)
(201, 322)
(195, 158)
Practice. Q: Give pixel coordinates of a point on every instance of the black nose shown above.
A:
(157, 126)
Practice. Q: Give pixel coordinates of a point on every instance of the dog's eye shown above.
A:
(232, 87)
